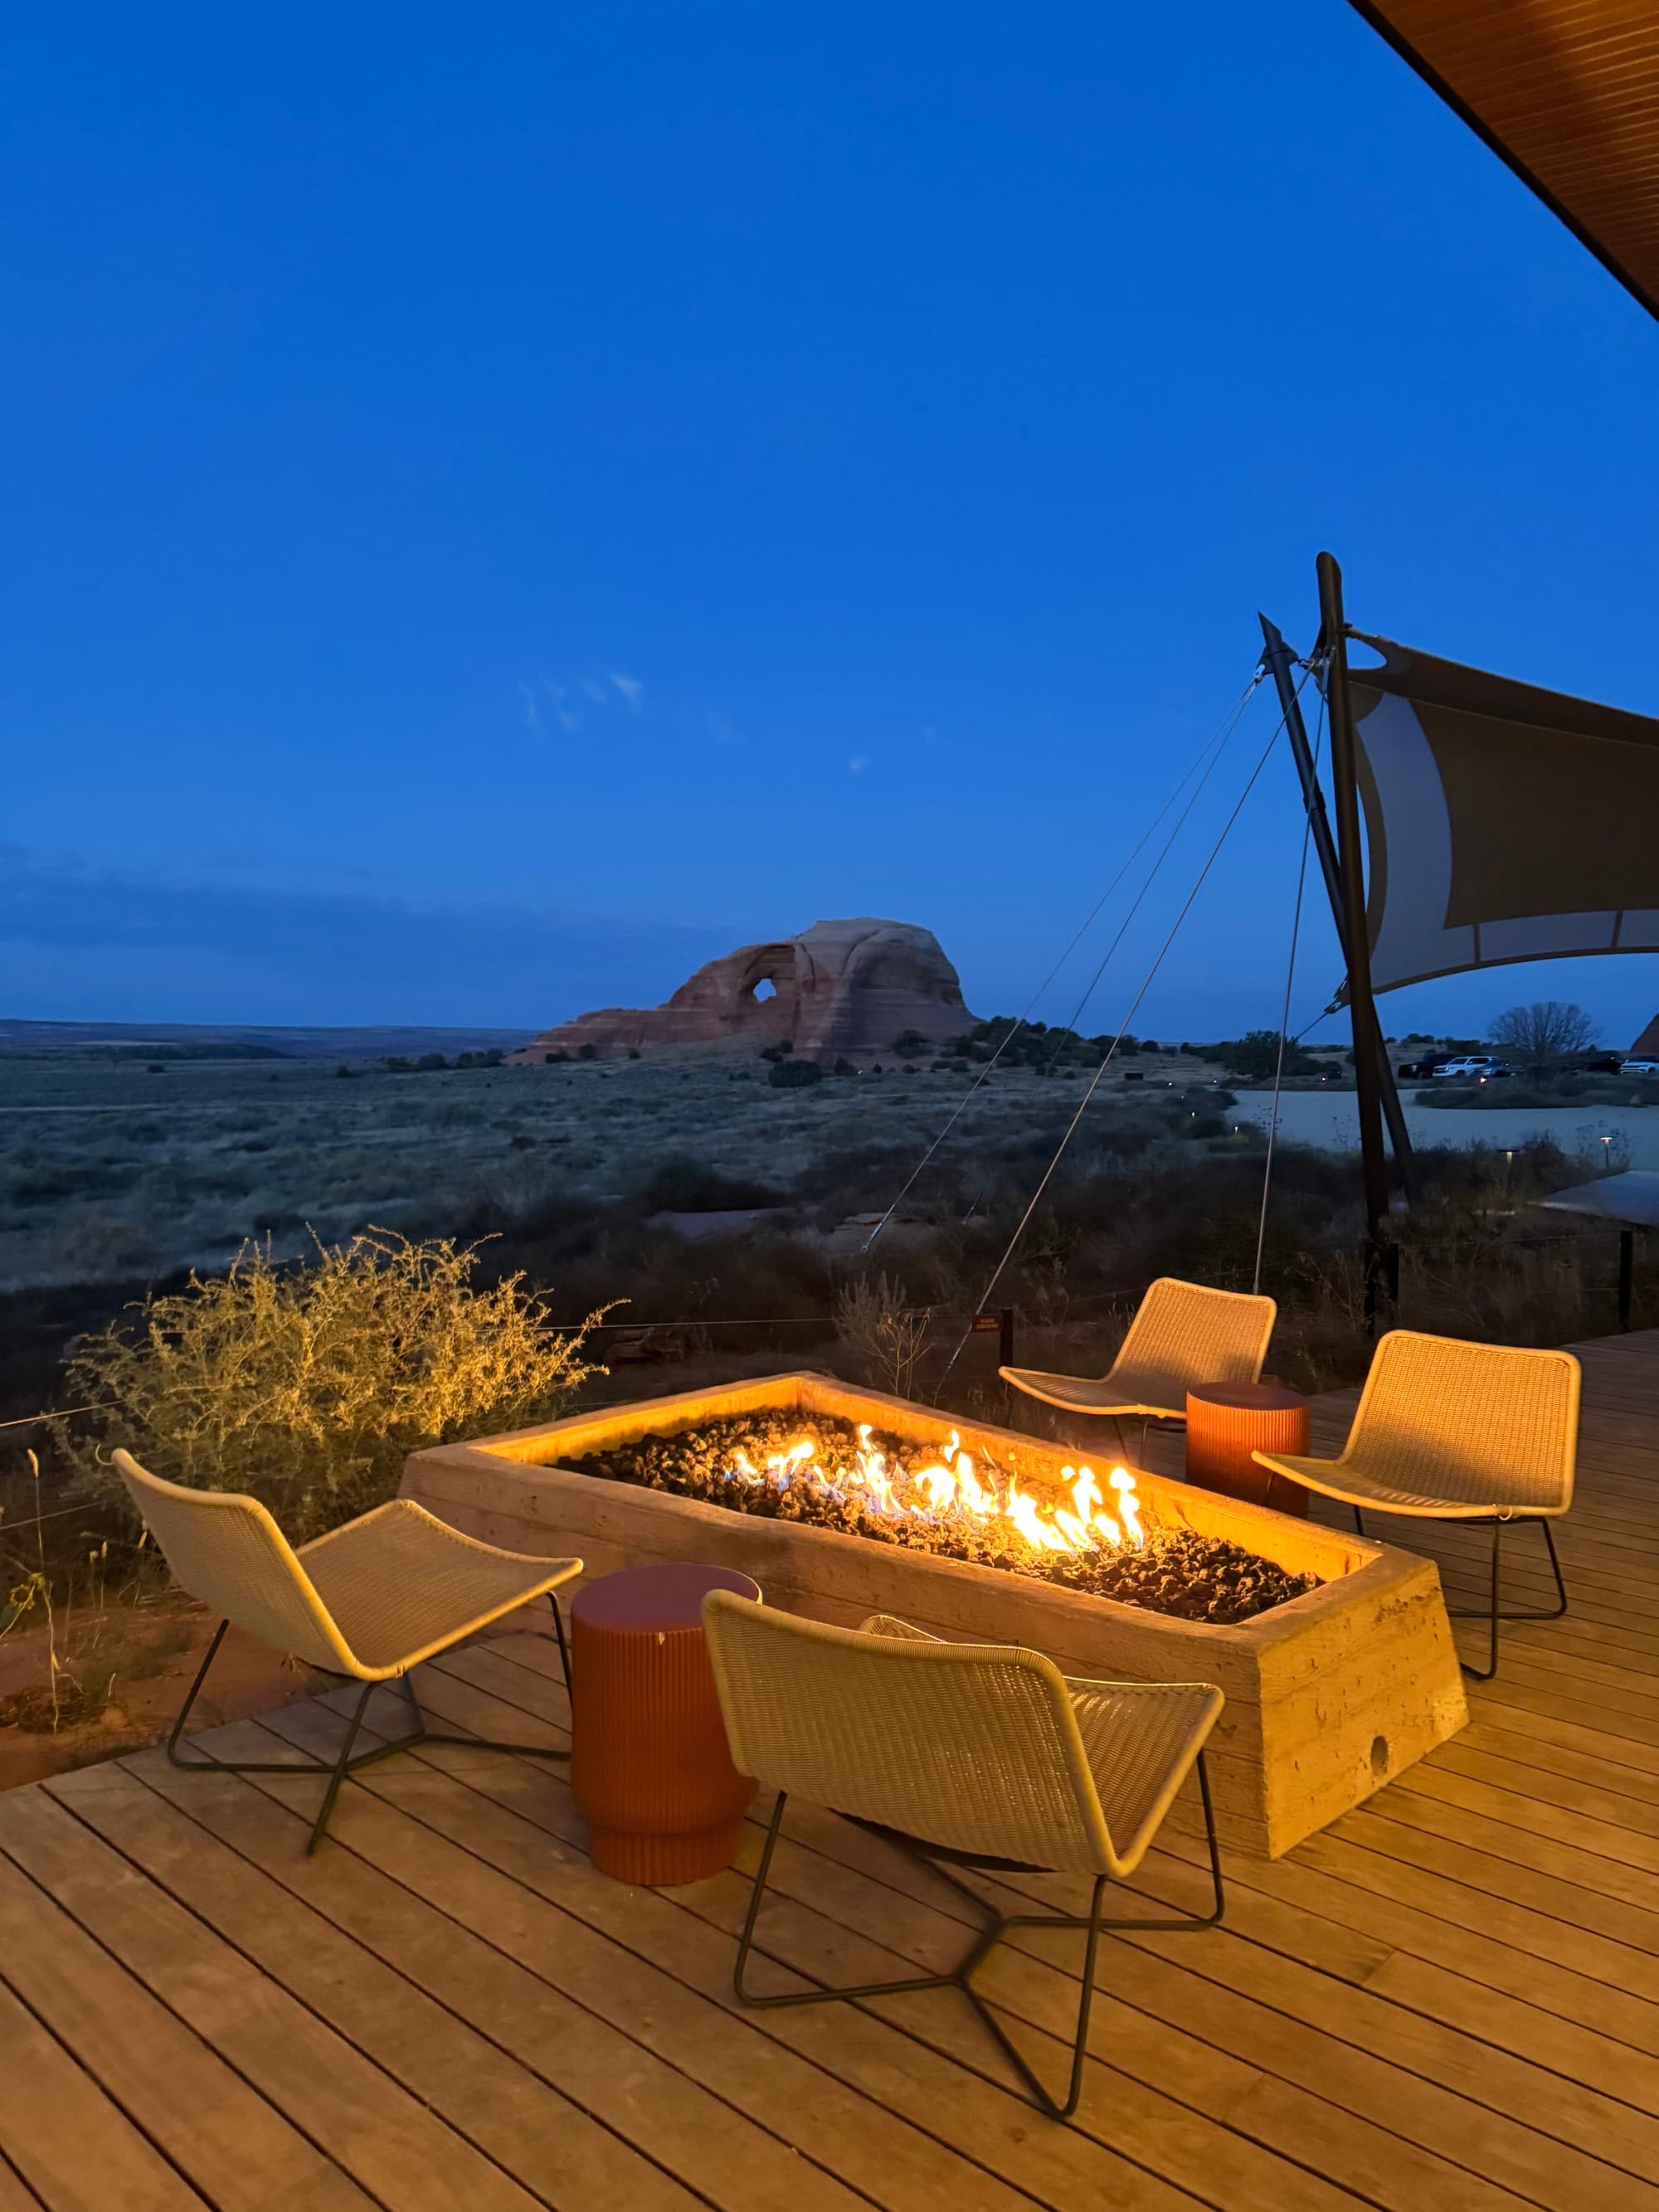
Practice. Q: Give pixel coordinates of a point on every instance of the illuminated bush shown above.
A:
(308, 1386)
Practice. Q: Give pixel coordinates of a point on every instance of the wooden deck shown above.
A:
(1448, 2002)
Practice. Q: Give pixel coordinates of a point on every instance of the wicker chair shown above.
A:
(1447, 1431)
(976, 1755)
(369, 1602)
(1183, 1335)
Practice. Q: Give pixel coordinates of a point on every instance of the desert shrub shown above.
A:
(886, 1335)
(101, 1247)
(1018, 1043)
(308, 1385)
(685, 1185)
(794, 1074)
(1539, 1092)
(35, 1177)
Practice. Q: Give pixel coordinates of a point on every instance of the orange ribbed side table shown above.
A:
(1228, 1421)
(649, 1765)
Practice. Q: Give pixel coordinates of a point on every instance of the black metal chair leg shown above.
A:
(1035, 2088)
(558, 1630)
(425, 1734)
(1555, 1563)
(204, 1762)
(745, 1944)
(341, 1768)
(1485, 1674)
(997, 1926)
(1493, 1612)
(212, 1653)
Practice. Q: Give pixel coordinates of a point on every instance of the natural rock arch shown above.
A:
(841, 990)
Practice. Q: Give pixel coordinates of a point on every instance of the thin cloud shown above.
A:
(594, 689)
(532, 720)
(859, 763)
(557, 694)
(630, 688)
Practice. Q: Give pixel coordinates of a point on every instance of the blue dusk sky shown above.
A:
(505, 503)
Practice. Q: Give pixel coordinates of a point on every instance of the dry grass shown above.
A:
(112, 1176)
(887, 1334)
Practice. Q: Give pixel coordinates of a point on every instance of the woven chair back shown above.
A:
(226, 1551)
(1184, 1334)
(1443, 1419)
(973, 1747)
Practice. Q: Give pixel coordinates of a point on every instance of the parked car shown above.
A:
(1473, 1067)
(1640, 1067)
(1417, 1071)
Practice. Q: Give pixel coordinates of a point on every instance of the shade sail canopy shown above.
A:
(1567, 93)
(1504, 822)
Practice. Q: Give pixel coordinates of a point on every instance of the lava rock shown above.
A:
(1175, 1570)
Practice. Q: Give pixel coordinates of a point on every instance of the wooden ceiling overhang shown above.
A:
(1566, 92)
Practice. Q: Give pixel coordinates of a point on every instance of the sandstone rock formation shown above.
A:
(842, 990)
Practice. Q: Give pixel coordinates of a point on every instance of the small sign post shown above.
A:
(1000, 1323)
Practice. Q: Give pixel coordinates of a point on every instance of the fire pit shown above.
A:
(826, 1472)
(1334, 1653)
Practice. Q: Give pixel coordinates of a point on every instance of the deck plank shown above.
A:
(1065, 2173)
(549, 2144)
(716, 2154)
(16, 2195)
(1307, 2022)
(407, 2160)
(237, 2149)
(1165, 2053)
(1448, 2002)
(679, 2005)
(68, 2141)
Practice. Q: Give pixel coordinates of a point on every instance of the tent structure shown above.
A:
(1566, 92)
(1501, 822)
(1504, 822)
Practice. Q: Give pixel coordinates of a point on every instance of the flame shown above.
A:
(951, 1489)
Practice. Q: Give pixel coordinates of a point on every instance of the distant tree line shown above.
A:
(430, 1062)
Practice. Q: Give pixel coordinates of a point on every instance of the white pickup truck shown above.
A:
(1473, 1065)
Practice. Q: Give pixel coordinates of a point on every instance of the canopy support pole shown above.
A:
(1277, 658)
(1379, 1259)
